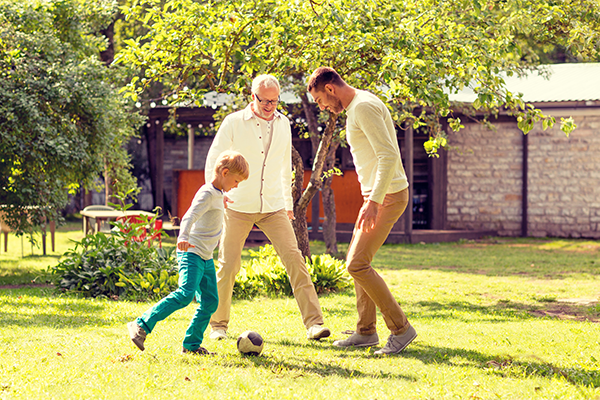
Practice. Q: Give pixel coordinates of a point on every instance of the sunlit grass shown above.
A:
(496, 319)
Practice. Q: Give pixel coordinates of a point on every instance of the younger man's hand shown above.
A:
(367, 216)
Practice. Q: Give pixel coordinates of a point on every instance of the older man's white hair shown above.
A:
(264, 81)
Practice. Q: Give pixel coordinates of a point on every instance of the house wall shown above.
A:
(564, 181)
(176, 156)
(485, 179)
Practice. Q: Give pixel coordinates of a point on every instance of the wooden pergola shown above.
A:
(434, 179)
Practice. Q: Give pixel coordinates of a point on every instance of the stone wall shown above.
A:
(564, 181)
(485, 179)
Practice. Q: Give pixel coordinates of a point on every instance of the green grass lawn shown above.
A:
(498, 318)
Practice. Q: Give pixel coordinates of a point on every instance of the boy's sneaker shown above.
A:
(317, 332)
(137, 334)
(358, 340)
(201, 351)
(397, 343)
(218, 334)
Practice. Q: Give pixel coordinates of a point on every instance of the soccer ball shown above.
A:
(250, 343)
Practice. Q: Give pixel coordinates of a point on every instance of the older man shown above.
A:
(371, 134)
(264, 138)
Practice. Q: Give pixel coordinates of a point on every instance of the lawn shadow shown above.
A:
(504, 311)
(12, 273)
(297, 366)
(18, 310)
(494, 271)
(503, 366)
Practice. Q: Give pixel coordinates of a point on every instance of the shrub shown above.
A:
(328, 273)
(117, 264)
(265, 274)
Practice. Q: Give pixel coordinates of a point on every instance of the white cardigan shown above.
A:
(269, 186)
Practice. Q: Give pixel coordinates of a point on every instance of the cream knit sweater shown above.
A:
(371, 134)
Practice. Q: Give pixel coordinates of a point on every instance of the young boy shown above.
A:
(199, 234)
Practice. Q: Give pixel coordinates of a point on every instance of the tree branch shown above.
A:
(315, 178)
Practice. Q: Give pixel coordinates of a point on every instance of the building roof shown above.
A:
(566, 82)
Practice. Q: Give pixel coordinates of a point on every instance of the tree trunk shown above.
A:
(329, 222)
(299, 224)
(108, 55)
(108, 185)
(313, 186)
(311, 122)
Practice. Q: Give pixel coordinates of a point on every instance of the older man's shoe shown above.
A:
(317, 332)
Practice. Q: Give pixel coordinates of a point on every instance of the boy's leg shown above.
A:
(373, 288)
(236, 227)
(208, 299)
(189, 276)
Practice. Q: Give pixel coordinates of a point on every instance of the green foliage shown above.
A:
(103, 265)
(123, 263)
(264, 274)
(328, 273)
(63, 122)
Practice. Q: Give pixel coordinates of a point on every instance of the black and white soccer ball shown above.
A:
(250, 343)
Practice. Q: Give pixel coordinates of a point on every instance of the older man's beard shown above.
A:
(259, 111)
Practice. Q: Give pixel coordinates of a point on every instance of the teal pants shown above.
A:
(197, 278)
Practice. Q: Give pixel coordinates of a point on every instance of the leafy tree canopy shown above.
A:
(415, 52)
(61, 119)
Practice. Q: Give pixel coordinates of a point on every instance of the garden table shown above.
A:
(105, 215)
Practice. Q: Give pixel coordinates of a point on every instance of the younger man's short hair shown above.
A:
(234, 162)
(323, 76)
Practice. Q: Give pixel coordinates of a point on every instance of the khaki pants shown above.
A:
(279, 231)
(371, 289)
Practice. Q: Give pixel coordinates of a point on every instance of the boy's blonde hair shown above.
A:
(234, 162)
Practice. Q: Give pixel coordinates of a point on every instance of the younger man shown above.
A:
(199, 234)
(371, 134)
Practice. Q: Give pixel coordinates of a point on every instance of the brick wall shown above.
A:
(485, 180)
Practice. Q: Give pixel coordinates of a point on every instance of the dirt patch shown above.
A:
(570, 310)
(25, 285)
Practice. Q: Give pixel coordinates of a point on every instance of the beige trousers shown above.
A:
(371, 289)
(279, 231)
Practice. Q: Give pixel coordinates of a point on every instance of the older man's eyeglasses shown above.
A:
(267, 102)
